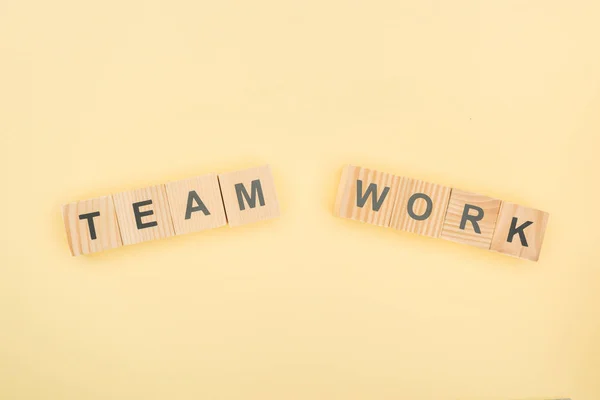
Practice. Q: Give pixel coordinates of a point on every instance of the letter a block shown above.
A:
(420, 207)
(196, 204)
(249, 195)
(471, 219)
(144, 214)
(519, 231)
(91, 225)
(366, 195)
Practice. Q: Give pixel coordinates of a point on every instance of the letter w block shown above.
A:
(366, 195)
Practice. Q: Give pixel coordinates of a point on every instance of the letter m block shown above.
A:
(249, 195)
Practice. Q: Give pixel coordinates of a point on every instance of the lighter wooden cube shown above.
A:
(144, 214)
(420, 207)
(249, 195)
(91, 225)
(196, 204)
(520, 231)
(366, 195)
(470, 219)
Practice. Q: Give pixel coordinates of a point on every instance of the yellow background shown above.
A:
(498, 97)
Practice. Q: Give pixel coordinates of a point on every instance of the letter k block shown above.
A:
(249, 195)
(366, 195)
(519, 231)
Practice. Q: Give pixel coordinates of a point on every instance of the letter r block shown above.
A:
(520, 231)
(366, 195)
(144, 214)
(471, 219)
(249, 195)
(420, 207)
(91, 225)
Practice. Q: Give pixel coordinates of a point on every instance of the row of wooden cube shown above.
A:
(439, 211)
(174, 208)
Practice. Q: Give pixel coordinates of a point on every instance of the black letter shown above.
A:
(472, 218)
(200, 207)
(256, 188)
(90, 218)
(411, 203)
(139, 214)
(513, 230)
(372, 188)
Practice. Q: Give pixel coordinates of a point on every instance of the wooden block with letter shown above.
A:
(420, 207)
(91, 225)
(366, 195)
(249, 195)
(144, 214)
(470, 219)
(196, 204)
(520, 231)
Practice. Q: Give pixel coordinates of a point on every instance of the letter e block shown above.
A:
(91, 225)
(471, 219)
(366, 195)
(420, 207)
(520, 231)
(249, 195)
(144, 214)
(196, 204)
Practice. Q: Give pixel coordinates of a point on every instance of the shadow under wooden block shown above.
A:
(196, 204)
(91, 225)
(144, 214)
(249, 195)
(519, 231)
(470, 219)
(420, 207)
(366, 195)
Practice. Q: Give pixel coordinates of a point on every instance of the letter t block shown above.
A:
(91, 225)
(249, 195)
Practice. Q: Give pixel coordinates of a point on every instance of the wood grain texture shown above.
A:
(534, 233)
(160, 213)
(378, 207)
(104, 225)
(439, 195)
(207, 190)
(454, 214)
(242, 198)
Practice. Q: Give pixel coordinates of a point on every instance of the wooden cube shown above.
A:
(144, 214)
(91, 225)
(366, 195)
(196, 204)
(420, 207)
(470, 219)
(519, 231)
(249, 195)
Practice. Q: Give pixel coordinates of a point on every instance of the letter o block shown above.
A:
(420, 207)
(249, 195)
(520, 231)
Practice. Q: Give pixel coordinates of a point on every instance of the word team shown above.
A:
(174, 208)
